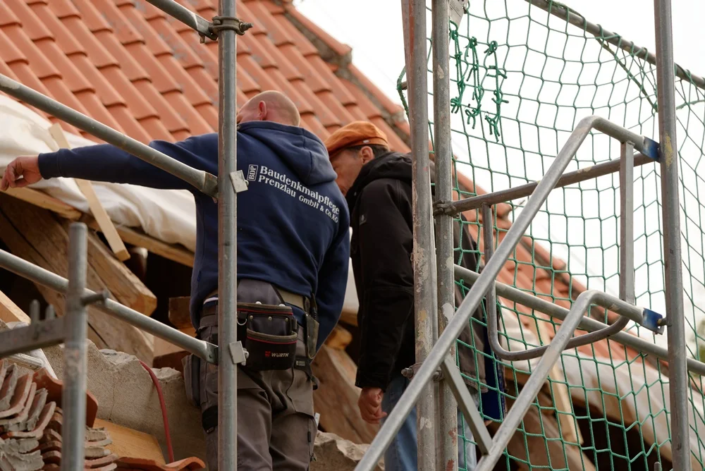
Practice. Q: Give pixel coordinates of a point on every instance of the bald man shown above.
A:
(293, 249)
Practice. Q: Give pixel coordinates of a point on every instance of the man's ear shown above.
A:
(262, 107)
(366, 154)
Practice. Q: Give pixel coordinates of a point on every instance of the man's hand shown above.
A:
(21, 172)
(370, 404)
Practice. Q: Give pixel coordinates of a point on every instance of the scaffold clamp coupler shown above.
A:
(442, 207)
(654, 321)
(222, 23)
(411, 371)
(238, 354)
(238, 180)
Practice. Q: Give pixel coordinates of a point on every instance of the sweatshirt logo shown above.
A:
(252, 172)
(295, 189)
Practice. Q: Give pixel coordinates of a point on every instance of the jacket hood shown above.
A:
(300, 149)
(391, 165)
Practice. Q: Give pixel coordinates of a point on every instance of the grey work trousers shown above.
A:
(276, 428)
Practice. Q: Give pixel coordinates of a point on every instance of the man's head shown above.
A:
(270, 106)
(351, 147)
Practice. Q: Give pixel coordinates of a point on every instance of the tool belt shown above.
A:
(269, 333)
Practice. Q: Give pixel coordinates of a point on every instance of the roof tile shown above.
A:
(122, 28)
(98, 55)
(338, 47)
(66, 42)
(39, 64)
(7, 17)
(31, 25)
(64, 9)
(371, 88)
(266, 24)
(91, 16)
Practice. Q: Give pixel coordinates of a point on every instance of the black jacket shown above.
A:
(380, 204)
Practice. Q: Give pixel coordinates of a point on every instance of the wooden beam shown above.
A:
(122, 283)
(138, 238)
(339, 339)
(179, 312)
(45, 201)
(10, 312)
(336, 398)
(97, 208)
(33, 234)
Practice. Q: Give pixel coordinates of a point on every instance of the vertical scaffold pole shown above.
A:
(227, 240)
(668, 156)
(414, 19)
(448, 409)
(73, 401)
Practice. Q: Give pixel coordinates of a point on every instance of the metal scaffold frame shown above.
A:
(437, 322)
(419, 392)
(71, 330)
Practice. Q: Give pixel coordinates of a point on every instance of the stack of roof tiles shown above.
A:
(30, 428)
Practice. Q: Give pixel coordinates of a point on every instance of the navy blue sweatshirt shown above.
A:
(293, 221)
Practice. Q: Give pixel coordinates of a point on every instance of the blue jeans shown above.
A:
(402, 454)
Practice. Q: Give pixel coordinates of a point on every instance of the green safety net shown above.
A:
(521, 80)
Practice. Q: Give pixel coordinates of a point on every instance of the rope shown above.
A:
(162, 403)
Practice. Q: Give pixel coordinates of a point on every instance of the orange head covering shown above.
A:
(357, 133)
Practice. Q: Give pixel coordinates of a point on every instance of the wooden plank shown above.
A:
(33, 234)
(10, 312)
(122, 283)
(97, 208)
(179, 312)
(45, 201)
(336, 398)
(339, 338)
(138, 238)
(129, 443)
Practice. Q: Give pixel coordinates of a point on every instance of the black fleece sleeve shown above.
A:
(385, 244)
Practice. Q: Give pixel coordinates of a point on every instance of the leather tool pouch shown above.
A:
(269, 334)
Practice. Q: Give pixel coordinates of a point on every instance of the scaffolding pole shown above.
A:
(448, 409)
(227, 237)
(414, 20)
(677, 355)
(73, 399)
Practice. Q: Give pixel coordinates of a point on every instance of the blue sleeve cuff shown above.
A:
(49, 165)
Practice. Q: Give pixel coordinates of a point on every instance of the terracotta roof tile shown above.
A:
(98, 55)
(338, 47)
(91, 16)
(7, 16)
(64, 9)
(138, 70)
(371, 88)
(122, 28)
(266, 24)
(31, 25)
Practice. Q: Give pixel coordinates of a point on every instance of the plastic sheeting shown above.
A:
(167, 215)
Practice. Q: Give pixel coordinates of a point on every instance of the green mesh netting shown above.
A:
(521, 80)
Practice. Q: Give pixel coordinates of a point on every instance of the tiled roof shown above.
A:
(131, 66)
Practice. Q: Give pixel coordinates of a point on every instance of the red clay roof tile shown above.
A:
(40, 65)
(64, 9)
(266, 24)
(372, 89)
(67, 42)
(10, 53)
(370, 110)
(91, 16)
(98, 55)
(122, 28)
(338, 47)
(31, 25)
(7, 16)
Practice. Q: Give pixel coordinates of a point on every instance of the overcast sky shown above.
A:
(373, 29)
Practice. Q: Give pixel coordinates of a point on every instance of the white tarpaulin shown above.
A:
(167, 215)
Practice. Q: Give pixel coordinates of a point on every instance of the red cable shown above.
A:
(157, 385)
